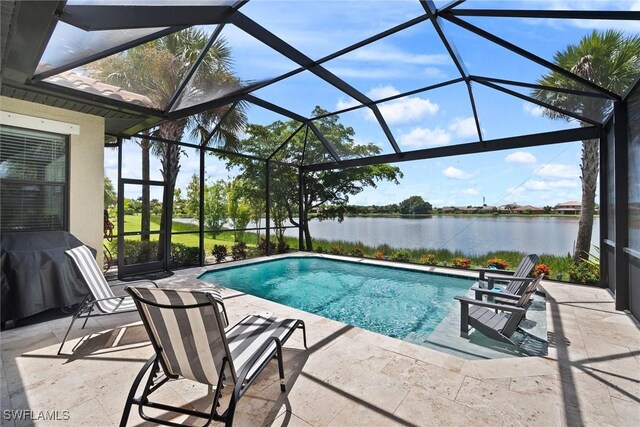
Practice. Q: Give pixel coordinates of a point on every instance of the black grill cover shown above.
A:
(36, 273)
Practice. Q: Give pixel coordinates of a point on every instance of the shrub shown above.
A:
(461, 262)
(497, 263)
(136, 251)
(427, 259)
(320, 250)
(358, 252)
(585, 273)
(184, 256)
(262, 246)
(336, 250)
(401, 256)
(542, 269)
(283, 247)
(239, 251)
(220, 252)
(378, 255)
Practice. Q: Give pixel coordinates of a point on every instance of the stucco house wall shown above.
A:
(86, 166)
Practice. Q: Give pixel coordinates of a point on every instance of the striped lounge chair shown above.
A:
(100, 301)
(188, 334)
(495, 320)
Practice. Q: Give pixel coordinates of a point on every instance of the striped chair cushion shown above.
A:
(252, 332)
(98, 286)
(191, 339)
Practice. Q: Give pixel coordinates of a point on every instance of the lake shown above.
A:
(473, 235)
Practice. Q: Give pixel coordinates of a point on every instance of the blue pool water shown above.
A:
(389, 301)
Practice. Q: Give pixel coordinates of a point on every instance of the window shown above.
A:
(33, 180)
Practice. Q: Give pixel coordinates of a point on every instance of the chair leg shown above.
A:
(283, 386)
(464, 320)
(89, 314)
(132, 392)
(75, 316)
(304, 332)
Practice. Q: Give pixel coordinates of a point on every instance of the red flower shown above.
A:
(542, 269)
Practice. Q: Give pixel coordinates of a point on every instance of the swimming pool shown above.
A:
(390, 301)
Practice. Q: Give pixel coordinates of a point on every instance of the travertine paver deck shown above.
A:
(350, 376)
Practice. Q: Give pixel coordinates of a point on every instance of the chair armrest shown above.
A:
(484, 270)
(480, 291)
(121, 297)
(492, 279)
(508, 278)
(493, 305)
(134, 282)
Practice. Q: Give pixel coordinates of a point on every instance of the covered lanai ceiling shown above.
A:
(48, 46)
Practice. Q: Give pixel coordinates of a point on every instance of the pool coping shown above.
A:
(446, 271)
(345, 259)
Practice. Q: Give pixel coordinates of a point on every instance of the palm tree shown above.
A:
(156, 70)
(611, 60)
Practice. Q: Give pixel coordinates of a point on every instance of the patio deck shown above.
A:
(349, 376)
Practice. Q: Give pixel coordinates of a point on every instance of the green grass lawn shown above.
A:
(132, 224)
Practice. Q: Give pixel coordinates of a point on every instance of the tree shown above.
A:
(156, 70)
(327, 192)
(415, 205)
(238, 210)
(110, 196)
(192, 203)
(215, 207)
(612, 60)
(178, 202)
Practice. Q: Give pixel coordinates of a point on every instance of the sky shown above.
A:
(411, 59)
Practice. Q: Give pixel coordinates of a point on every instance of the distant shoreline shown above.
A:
(395, 215)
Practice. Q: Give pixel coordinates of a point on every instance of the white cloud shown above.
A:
(391, 54)
(407, 110)
(470, 192)
(520, 157)
(434, 72)
(550, 185)
(343, 104)
(532, 110)
(591, 24)
(554, 170)
(380, 92)
(464, 128)
(370, 73)
(424, 137)
(454, 173)
(404, 110)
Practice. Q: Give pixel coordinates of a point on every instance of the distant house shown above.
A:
(449, 209)
(468, 209)
(568, 208)
(528, 209)
(488, 209)
(508, 208)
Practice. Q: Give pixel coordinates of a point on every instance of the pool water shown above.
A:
(390, 301)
